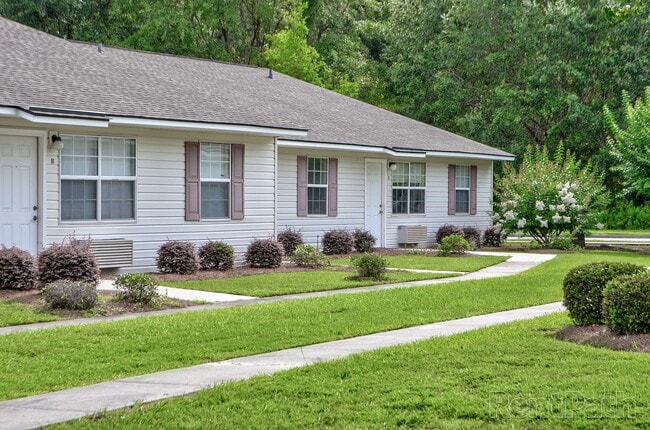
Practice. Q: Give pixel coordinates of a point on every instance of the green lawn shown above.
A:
(18, 313)
(643, 233)
(466, 263)
(275, 284)
(509, 376)
(54, 359)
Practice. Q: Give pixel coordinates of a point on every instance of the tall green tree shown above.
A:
(630, 144)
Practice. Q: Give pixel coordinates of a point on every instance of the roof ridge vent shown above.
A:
(270, 73)
(100, 48)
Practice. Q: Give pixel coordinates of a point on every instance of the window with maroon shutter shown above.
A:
(317, 183)
(462, 189)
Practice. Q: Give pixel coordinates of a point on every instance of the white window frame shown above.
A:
(459, 168)
(227, 180)
(98, 179)
(324, 186)
(408, 188)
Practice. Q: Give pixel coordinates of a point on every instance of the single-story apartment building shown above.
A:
(132, 149)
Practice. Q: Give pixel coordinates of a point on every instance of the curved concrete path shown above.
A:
(50, 408)
(518, 262)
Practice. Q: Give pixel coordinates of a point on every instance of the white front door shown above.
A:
(375, 200)
(18, 222)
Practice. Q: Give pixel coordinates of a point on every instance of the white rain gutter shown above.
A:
(348, 147)
(465, 155)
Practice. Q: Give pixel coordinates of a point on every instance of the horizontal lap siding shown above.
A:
(436, 201)
(350, 194)
(161, 199)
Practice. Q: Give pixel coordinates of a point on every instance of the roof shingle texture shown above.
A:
(40, 70)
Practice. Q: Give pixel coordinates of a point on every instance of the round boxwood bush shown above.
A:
(265, 253)
(337, 242)
(626, 304)
(217, 255)
(448, 230)
(17, 270)
(364, 241)
(453, 244)
(308, 256)
(71, 259)
(371, 266)
(290, 240)
(137, 288)
(583, 289)
(178, 257)
(473, 236)
(66, 294)
(492, 236)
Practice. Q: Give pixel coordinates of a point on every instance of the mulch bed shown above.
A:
(603, 337)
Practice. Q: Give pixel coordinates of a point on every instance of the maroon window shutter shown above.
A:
(302, 186)
(332, 187)
(237, 182)
(192, 182)
(472, 190)
(451, 196)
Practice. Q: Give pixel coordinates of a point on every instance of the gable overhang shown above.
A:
(351, 147)
(58, 117)
(392, 152)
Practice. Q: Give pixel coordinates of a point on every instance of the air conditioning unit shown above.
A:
(111, 253)
(412, 235)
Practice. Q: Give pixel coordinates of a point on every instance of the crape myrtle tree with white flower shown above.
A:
(546, 198)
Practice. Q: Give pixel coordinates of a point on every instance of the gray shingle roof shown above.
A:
(38, 69)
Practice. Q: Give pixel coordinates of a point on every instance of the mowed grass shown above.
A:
(510, 376)
(276, 284)
(466, 263)
(54, 359)
(18, 313)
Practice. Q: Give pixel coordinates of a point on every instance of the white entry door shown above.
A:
(18, 222)
(375, 200)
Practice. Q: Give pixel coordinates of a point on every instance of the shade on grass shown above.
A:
(511, 376)
(54, 359)
(465, 263)
(275, 284)
(18, 313)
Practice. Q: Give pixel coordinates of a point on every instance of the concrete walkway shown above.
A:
(65, 405)
(184, 294)
(517, 263)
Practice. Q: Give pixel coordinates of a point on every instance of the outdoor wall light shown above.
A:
(392, 166)
(56, 142)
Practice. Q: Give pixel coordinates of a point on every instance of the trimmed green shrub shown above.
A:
(337, 242)
(217, 255)
(627, 216)
(290, 239)
(137, 288)
(473, 236)
(492, 236)
(583, 289)
(448, 230)
(563, 243)
(70, 259)
(17, 269)
(178, 257)
(67, 294)
(626, 304)
(453, 244)
(370, 265)
(308, 256)
(265, 253)
(364, 241)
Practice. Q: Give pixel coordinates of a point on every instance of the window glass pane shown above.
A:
(118, 156)
(78, 200)
(118, 200)
(215, 161)
(462, 176)
(79, 156)
(462, 201)
(317, 201)
(418, 175)
(416, 204)
(401, 175)
(400, 201)
(215, 200)
(317, 171)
